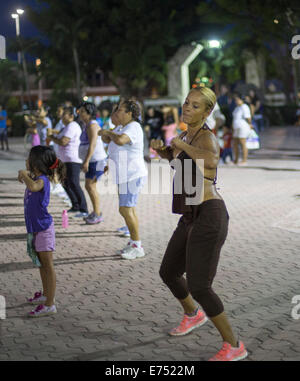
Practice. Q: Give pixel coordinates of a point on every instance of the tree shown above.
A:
(24, 46)
(132, 40)
(129, 40)
(259, 29)
(62, 24)
(9, 81)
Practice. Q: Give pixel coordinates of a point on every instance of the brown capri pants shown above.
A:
(195, 249)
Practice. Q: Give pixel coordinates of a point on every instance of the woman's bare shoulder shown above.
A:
(208, 141)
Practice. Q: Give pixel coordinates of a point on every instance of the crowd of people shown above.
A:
(233, 126)
(77, 142)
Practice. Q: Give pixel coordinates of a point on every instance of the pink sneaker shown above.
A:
(94, 219)
(42, 310)
(189, 323)
(229, 353)
(38, 298)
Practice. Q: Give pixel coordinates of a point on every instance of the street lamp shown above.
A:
(40, 91)
(214, 43)
(16, 16)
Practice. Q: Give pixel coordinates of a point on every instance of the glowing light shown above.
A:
(20, 11)
(14, 16)
(38, 62)
(85, 98)
(276, 21)
(214, 44)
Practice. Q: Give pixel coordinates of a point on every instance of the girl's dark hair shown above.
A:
(239, 95)
(69, 110)
(41, 158)
(90, 108)
(134, 108)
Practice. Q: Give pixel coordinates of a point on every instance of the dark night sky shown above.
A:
(8, 25)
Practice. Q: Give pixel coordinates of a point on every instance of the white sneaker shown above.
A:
(42, 310)
(38, 298)
(133, 252)
(127, 247)
(122, 229)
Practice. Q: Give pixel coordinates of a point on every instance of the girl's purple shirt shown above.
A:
(37, 218)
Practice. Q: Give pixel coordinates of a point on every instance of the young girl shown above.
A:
(42, 165)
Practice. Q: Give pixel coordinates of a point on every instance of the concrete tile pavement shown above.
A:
(111, 309)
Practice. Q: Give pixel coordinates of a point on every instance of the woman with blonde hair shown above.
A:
(196, 243)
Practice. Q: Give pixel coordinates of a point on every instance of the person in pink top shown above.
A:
(32, 130)
(171, 122)
(36, 141)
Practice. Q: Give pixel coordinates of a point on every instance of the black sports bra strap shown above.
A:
(213, 180)
(204, 127)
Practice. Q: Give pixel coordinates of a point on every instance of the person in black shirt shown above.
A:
(154, 119)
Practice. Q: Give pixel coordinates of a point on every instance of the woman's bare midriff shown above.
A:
(210, 191)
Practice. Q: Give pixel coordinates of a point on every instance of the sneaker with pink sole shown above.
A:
(132, 252)
(94, 219)
(189, 323)
(42, 310)
(38, 298)
(230, 353)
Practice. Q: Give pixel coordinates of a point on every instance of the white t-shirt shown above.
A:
(58, 127)
(213, 116)
(69, 153)
(128, 158)
(42, 131)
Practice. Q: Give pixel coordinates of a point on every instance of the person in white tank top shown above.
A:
(93, 155)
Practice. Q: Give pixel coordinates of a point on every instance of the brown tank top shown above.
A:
(184, 179)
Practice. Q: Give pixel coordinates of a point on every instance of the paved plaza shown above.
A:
(114, 309)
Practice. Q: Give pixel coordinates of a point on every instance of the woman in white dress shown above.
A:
(241, 128)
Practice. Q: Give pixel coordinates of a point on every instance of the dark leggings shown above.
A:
(72, 187)
(194, 249)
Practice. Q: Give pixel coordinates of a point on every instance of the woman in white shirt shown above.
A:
(241, 128)
(68, 141)
(126, 154)
(93, 155)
